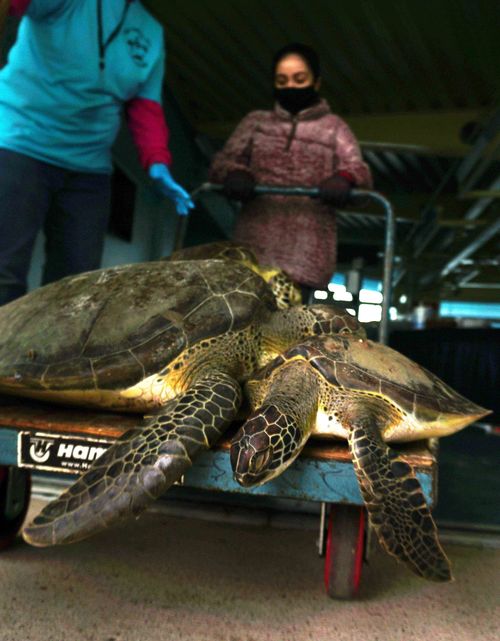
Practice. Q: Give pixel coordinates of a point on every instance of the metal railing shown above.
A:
(313, 192)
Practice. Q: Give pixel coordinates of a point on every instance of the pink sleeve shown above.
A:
(18, 7)
(350, 163)
(149, 130)
(236, 152)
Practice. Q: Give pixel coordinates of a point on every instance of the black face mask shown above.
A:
(295, 99)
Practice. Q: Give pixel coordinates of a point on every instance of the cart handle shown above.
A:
(313, 192)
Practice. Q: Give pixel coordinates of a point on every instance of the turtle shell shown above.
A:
(286, 291)
(426, 405)
(221, 249)
(111, 328)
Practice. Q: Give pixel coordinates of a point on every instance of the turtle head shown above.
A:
(285, 396)
(252, 453)
(286, 291)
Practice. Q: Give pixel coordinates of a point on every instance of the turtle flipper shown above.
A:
(141, 465)
(394, 499)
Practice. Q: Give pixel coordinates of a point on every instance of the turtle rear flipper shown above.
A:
(141, 465)
(393, 496)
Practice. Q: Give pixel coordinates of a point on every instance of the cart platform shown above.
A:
(73, 437)
(57, 439)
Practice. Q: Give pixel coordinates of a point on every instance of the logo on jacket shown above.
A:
(138, 45)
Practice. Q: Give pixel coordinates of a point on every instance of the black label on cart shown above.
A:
(57, 453)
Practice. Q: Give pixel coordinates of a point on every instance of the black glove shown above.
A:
(239, 185)
(335, 190)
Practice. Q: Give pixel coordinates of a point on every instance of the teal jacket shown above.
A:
(75, 67)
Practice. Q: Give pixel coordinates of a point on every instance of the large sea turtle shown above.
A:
(353, 388)
(170, 339)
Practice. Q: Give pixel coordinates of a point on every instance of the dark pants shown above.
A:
(71, 207)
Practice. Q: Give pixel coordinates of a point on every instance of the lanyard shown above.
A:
(103, 44)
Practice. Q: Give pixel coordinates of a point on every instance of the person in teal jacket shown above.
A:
(75, 67)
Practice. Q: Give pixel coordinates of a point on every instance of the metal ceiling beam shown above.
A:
(470, 219)
(416, 167)
(463, 281)
(473, 294)
(477, 209)
(480, 193)
(465, 169)
(423, 133)
(477, 285)
(483, 152)
(483, 237)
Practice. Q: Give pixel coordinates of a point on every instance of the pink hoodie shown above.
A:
(297, 234)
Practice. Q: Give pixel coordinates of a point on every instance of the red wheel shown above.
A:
(15, 489)
(344, 550)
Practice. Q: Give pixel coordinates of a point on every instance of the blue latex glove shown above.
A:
(167, 186)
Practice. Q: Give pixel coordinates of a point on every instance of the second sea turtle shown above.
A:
(365, 392)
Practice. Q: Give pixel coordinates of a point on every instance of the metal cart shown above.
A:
(50, 439)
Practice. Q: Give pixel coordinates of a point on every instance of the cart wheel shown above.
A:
(15, 490)
(344, 550)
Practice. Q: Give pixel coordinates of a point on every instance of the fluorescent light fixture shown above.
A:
(370, 296)
(369, 313)
(464, 309)
(340, 293)
(345, 296)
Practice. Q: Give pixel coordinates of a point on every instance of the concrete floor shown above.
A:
(163, 578)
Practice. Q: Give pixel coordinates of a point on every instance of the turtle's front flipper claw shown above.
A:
(395, 502)
(141, 465)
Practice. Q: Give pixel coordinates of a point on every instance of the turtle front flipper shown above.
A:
(393, 496)
(141, 465)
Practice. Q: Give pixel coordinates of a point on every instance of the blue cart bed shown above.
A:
(47, 438)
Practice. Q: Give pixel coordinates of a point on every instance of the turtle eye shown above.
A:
(260, 460)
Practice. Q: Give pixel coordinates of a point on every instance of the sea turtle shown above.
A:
(286, 291)
(366, 392)
(170, 339)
